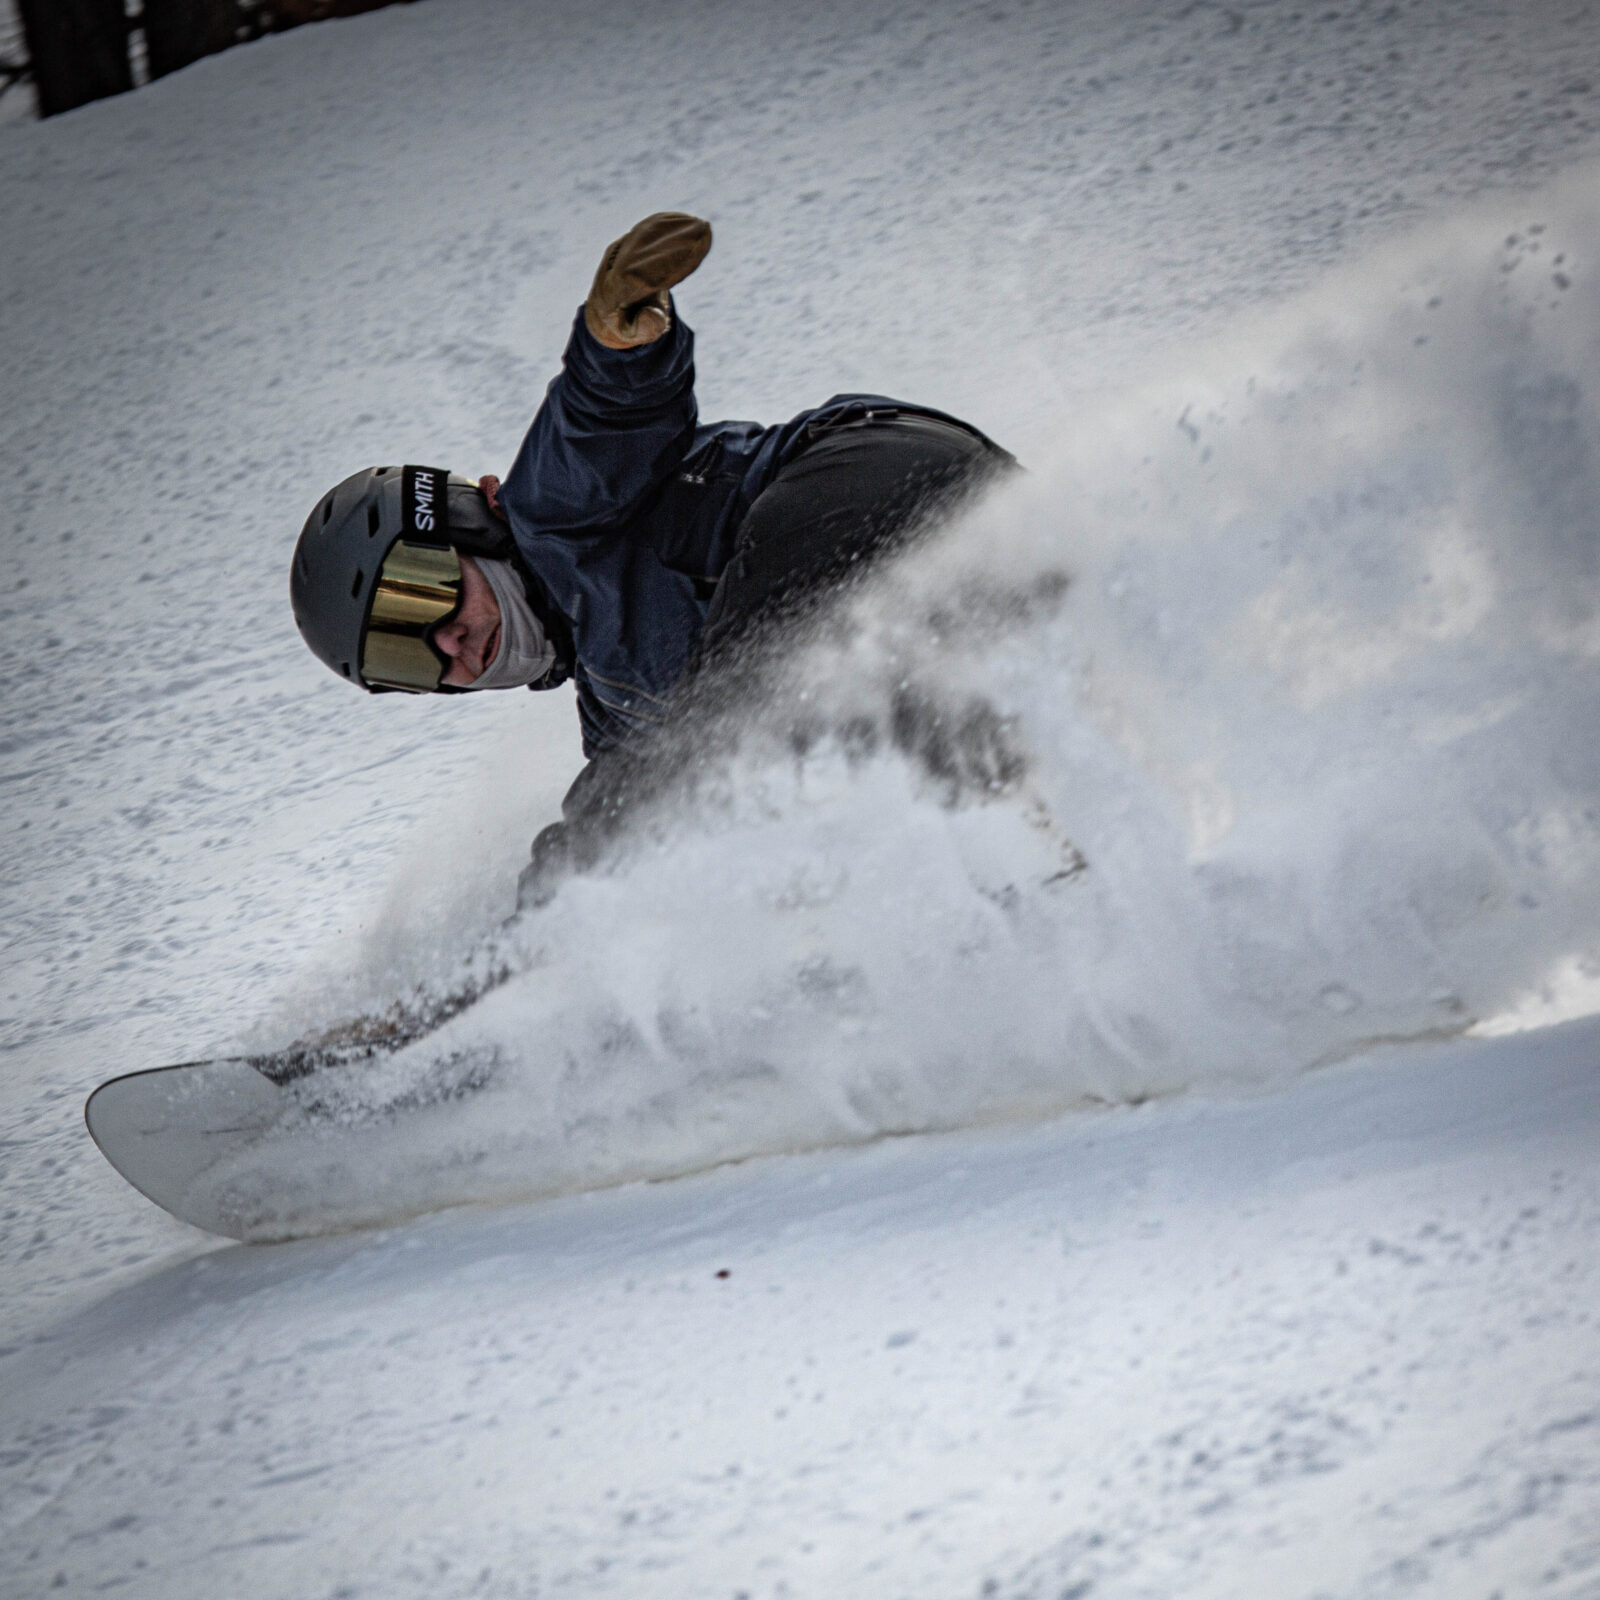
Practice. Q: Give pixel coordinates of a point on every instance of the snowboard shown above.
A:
(247, 1147)
(165, 1129)
(346, 1130)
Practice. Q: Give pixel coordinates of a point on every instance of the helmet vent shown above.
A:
(372, 521)
(355, 587)
(327, 510)
(344, 667)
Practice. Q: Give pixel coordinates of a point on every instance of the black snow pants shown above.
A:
(862, 484)
(859, 488)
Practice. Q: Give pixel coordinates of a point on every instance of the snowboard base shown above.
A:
(164, 1130)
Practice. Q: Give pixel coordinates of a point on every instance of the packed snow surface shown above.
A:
(1339, 1341)
(1253, 727)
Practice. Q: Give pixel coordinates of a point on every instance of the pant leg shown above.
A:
(861, 489)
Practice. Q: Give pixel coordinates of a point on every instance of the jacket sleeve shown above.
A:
(614, 425)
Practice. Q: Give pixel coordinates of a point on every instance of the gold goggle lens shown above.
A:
(418, 587)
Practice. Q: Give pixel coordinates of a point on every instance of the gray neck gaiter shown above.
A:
(525, 654)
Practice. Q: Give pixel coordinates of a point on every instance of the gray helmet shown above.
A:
(351, 534)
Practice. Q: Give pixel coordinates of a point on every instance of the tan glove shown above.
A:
(628, 305)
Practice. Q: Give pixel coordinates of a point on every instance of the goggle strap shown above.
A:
(425, 504)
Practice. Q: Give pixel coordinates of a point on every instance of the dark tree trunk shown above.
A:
(79, 50)
(177, 32)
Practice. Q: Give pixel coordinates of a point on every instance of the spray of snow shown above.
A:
(1253, 726)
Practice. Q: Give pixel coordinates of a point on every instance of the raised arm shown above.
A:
(616, 421)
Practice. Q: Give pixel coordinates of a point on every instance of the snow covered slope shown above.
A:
(1338, 1341)
(1294, 314)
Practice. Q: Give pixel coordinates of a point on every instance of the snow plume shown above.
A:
(1257, 723)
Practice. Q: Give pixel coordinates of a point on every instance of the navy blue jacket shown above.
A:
(625, 508)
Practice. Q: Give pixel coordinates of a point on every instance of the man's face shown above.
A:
(471, 638)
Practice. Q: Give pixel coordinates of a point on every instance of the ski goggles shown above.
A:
(418, 587)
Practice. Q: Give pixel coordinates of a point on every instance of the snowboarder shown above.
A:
(631, 547)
